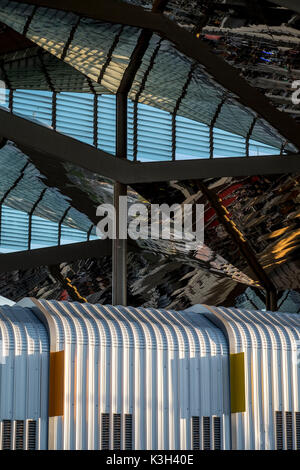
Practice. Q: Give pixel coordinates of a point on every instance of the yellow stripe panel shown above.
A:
(56, 383)
(237, 383)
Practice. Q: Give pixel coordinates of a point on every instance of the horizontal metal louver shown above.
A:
(34, 104)
(154, 134)
(107, 123)
(75, 116)
(116, 432)
(192, 139)
(195, 432)
(105, 428)
(14, 229)
(206, 432)
(14, 232)
(297, 420)
(128, 432)
(19, 431)
(6, 434)
(289, 430)
(217, 432)
(31, 435)
(43, 233)
(279, 430)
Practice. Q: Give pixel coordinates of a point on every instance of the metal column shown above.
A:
(119, 248)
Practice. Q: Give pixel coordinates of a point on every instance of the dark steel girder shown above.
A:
(187, 43)
(44, 142)
(242, 244)
(55, 255)
(293, 5)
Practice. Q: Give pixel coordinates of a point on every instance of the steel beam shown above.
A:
(151, 172)
(241, 243)
(42, 141)
(55, 255)
(293, 5)
(187, 43)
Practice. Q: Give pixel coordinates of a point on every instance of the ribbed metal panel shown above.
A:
(162, 367)
(23, 380)
(270, 344)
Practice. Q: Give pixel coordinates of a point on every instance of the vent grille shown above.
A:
(128, 432)
(6, 435)
(31, 435)
(297, 418)
(206, 432)
(19, 435)
(195, 433)
(217, 432)
(105, 431)
(116, 432)
(279, 430)
(289, 430)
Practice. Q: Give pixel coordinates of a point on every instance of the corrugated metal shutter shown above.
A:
(257, 148)
(154, 134)
(107, 123)
(75, 116)
(72, 235)
(228, 145)
(14, 230)
(43, 233)
(34, 104)
(192, 139)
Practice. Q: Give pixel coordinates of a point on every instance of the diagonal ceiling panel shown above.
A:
(102, 51)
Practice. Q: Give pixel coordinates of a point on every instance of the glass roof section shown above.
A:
(166, 79)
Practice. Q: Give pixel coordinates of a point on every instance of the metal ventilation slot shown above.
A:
(19, 430)
(6, 434)
(128, 432)
(105, 431)
(117, 432)
(297, 419)
(31, 435)
(195, 432)
(217, 432)
(289, 430)
(279, 430)
(206, 432)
